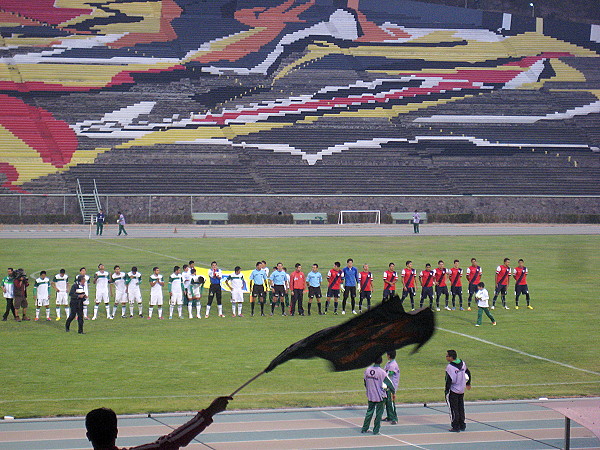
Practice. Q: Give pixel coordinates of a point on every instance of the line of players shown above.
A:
(186, 288)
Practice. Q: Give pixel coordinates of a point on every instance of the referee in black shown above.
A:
(77, 294)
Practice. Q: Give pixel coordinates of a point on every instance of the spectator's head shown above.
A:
(391, 266)
(81, 279)
(315, 267)
(378, 360)
(507, 262)
(237, 269)
(176, 269)
(451, 355)
(101, 426)
(185, 266)
(391, 354)
(62, 271)
(521, 263)
(193, 271)
(156, 270)
(337, 264)
(481, 285)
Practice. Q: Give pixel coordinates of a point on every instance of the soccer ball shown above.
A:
(467, 377)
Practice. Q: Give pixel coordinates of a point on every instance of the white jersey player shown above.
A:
(134, 280)
(176, 292)
(101, 280)
(117, 279)
(195, 294)
(156, 292)
(235, 282)
(86, 290)
(60, 283)
(41, 292)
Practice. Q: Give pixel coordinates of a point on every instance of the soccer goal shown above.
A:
(360, 216)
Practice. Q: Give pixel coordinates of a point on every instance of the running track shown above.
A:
(490, 425)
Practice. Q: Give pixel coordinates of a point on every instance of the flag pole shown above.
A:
(247, 383)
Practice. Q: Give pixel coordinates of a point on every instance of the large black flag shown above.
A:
(357, 342)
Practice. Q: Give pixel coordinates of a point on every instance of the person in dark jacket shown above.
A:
(77, 295)
(20, 284)
(458, 378)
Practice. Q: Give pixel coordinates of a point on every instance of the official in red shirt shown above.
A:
(426, 278)
(297, 285)
(502, 280)
(474, 277)
(520, 275)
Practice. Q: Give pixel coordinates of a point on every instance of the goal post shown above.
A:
(360, 216)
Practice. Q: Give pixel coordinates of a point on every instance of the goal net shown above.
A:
(360, 216)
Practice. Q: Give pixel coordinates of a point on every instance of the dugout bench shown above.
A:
(206, 218)
(407, 217)
(309, 218)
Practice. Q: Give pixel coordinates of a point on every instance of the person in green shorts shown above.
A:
(482, 296)
(393, 371)
(375, 380)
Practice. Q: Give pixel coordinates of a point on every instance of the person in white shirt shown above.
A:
(60, 283)
(41, 292)
(133, 280)
(117, 280)
(101, 280)
(156, 293)
(86, 288)
(482, 296)
(195, 292)
(235, 282)
(176, 292)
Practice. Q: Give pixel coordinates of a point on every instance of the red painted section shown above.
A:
(42, 10)
(53, 139)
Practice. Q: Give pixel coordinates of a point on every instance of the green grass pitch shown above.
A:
(135, 365)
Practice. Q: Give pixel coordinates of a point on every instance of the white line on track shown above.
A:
(254, 394)
(520, 352)
(381, 434)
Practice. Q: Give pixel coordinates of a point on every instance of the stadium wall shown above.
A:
(271, 208)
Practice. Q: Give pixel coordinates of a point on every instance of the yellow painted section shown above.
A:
(565, 72)
(23, 158)
(223, 43)
(438, 36)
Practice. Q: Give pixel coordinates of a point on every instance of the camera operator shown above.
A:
(20, 294)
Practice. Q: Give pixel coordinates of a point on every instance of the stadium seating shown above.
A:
(296, 98)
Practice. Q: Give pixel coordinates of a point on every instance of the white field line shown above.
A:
(255, 394)
(381, 434)
(520, 352)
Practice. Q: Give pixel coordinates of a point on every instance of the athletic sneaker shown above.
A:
(36, 319)
(493, 307)
(476, 324)
(206, 316)
(335, 313)
(469, 308)
(528, 307)
(354, 312)
(516, 307)
(343, 312)
(49, 319)
(94, 318)
(393, 422)
(493, 323)
(506, 307)
(462, 309)
(453, 308)
(437, 309)
(58, 318)
(221, 315)
(447, 308)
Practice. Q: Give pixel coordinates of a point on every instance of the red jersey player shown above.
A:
(474, 278)
(426, 278)
(408, 283)
(440, 284)
(502, 280)
(297, 285)
(365, 279)
(520, 275)
(456, 285)
(334, 279)
(390, 277)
